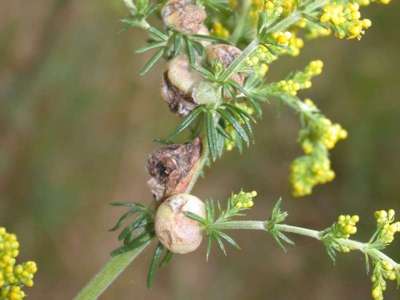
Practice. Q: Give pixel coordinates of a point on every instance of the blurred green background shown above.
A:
(77, 123)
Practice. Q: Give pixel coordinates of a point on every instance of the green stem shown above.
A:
(286, 22)
(237, 33)
(112, 269)
(365, 248)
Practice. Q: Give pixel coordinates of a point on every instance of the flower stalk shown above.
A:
(365, 248)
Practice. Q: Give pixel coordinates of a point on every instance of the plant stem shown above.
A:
(365, 248)
(112, 269)
(237, 33)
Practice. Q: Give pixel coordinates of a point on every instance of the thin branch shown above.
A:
(113, 268)
(315, 234)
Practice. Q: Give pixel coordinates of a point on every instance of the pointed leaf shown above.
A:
(154, 264)
(151, 62)
(211, 135)
(150, 47)
(166, 259)
(228, 117)
(186, 122)
(229, 239)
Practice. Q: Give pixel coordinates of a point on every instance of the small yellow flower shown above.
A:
(13, 276)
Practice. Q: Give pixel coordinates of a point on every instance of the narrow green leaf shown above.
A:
(284, 238)
(157, 33)
(154, 264)
(220, 244)
(228, 117)
(208, 38)
(198, 47)
(196, 217)
(177, 44)
(138, 223)
(190, 51)
(211, 135)
(211, 211)
(186, 122)
(222, 132)
(245, 120)
(229, 239)
(235, 65)
(220, 143)
(166, 258)
(209, 244)
(367, 264)
(121, 220)
(150, 47)
(137, 242)
(151, 62)
(279, 242)
(127, 204)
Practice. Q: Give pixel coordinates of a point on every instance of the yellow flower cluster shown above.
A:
(383, 271)
(345, 20)
(219, 30)
(302, 79)
(346, 226)
(273, 8)
(368, 2)
(317, 136)
(243, 200)
(290, 41)
(308, 171)
(13, 276)
(258, 62)
(320, 131)
(388, 228)
(258, 6)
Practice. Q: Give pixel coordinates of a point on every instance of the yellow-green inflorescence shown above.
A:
(317, 136)
(342, 18)
(13, 277)
(243, 200)
(383, 270)
(346, 226)
(345, 20)
(301, 80)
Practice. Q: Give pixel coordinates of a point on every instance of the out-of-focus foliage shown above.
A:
(75, 132)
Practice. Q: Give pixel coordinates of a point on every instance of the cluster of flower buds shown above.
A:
(317, 137)
(219, 30)
(12, 276)
(386, 225)
(345, 20)
(383, 270)
(272, 8)
(302, 79)
(243, 200)
(259, 61)
(347, 225)
(308, 171)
